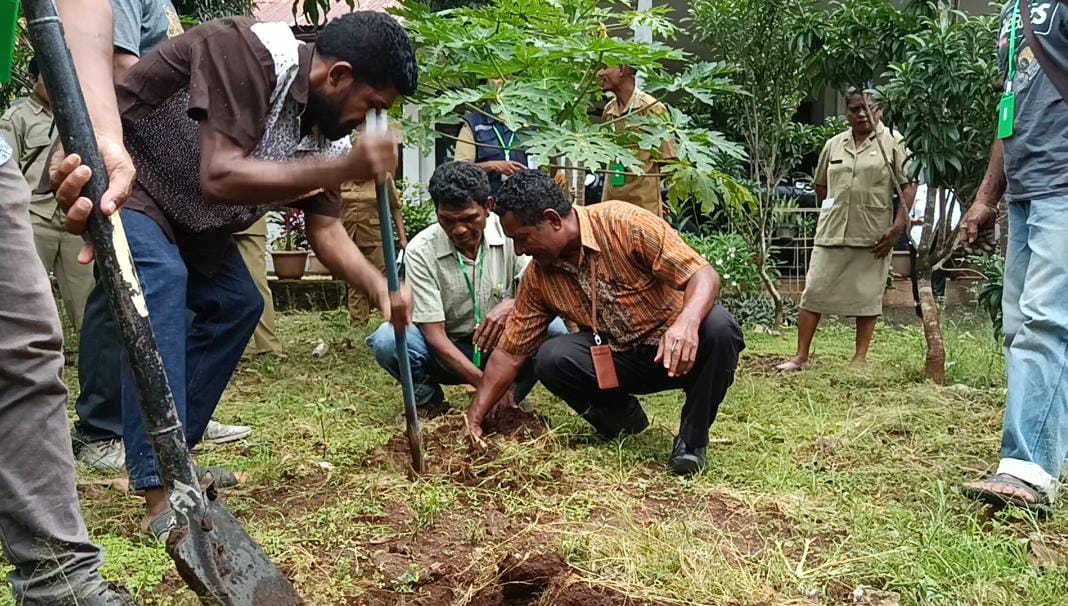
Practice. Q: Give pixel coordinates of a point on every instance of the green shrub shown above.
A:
(757, 309)
(733, 258)
(416, 207)
(989, 298)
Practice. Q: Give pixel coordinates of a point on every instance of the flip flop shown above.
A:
(791, 366)
(982, 491)
(220, 476)
(161, 526)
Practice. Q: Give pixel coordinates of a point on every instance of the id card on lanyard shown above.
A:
(505, 147)
(1007, 104)
(473, 284)
(618, 176)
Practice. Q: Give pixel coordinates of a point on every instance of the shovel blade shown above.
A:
(223, 565)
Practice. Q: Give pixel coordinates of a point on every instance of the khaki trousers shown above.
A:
(253, 249)
(58, 251)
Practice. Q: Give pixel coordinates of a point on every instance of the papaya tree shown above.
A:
(535, 64)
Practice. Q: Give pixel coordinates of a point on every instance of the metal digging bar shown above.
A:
(213, 554)
(378, 122)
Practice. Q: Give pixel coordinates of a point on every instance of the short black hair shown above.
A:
(377, 47)
(32, 68)
(854, 91)
(456, 184)
(528, 194)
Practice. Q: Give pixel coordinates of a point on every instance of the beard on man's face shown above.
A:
(326, 114)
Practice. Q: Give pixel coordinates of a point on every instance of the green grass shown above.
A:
(819, 483)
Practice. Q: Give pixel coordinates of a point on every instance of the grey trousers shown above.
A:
(41, 525)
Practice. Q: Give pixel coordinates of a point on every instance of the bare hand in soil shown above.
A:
(473, 429)
(488, 334)
(678, 348)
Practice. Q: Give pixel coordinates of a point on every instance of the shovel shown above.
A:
(378, 123)
(214, 555)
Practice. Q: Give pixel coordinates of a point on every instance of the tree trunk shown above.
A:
(769, 283)
(932, 332)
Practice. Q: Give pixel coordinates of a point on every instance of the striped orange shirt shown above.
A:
(643, 268)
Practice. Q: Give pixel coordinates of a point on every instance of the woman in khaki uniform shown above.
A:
(857, 228)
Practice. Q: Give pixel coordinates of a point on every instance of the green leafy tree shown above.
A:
(772, 44)
(942, 96)
(535, 63)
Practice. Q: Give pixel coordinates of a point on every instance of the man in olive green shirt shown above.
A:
(252, 244)
(359, 215)
(628, 100)
(27, 126)
(463, 273)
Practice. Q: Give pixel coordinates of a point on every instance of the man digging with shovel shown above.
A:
(224, 123)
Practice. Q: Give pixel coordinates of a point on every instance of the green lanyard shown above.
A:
(1007, 104)
(507, 147)
(476, 357)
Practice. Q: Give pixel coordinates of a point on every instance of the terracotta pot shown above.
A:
(901, 263)
(289, 265)
(316, 267)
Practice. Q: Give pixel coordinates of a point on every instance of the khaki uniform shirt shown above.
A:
(437, 280)
(359, 208)
(466, 151)
(859, 207)
(27, 126)
(643, 191)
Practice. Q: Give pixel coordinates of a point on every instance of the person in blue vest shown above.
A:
(493, 146)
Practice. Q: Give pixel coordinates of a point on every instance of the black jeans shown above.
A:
(99, 402)
(565, 367)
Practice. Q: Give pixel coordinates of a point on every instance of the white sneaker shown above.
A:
(217, 433)
(105, 456)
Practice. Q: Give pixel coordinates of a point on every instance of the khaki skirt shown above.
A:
(845, 281)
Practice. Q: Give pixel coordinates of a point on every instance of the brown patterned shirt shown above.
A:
(643, 269)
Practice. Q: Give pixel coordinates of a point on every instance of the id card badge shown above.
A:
(604, 367)
(827, 204)
(1006, 115)
(618, 178)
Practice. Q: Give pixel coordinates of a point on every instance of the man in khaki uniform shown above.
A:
(857, 228)
(27, 126)
(629, 100)
(359, 214)
(252, 244)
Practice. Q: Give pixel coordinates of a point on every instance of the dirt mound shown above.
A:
(512, 421)
(449, 449)
(546, 580)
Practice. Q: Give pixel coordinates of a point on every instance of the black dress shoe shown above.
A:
(687, 461)
(610, 426)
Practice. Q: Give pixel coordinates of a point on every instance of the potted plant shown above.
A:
(289, 249)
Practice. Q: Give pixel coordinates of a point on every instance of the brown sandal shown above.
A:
(984, 492)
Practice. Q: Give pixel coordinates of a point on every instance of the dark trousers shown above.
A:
(99, 404)
(564, 367)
